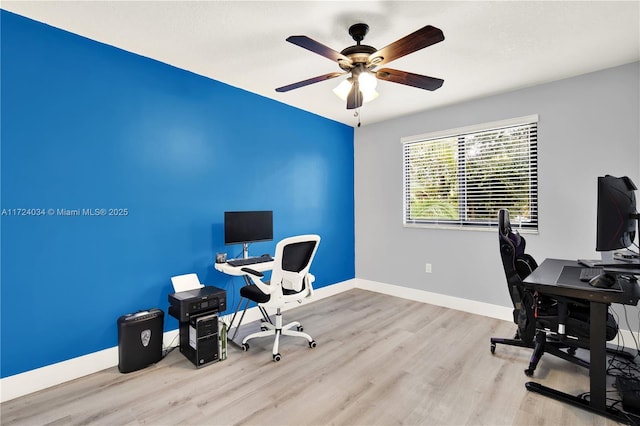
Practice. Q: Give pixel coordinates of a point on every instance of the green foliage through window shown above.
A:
(463, 177)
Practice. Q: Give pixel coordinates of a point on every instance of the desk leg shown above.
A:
(598, 356)
(263, 311)
(233, 319)
(597, 372)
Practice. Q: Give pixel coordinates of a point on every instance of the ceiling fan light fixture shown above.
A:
(367, 87)
(368, 82)
(369, 96)
(342, 90)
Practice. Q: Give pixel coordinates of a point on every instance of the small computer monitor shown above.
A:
(617, 215)
(246, 227)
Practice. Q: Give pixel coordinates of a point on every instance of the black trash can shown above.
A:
(140, 339)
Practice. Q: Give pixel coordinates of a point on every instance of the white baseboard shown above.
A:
(466, 305)
(41, 378)
(626, 338)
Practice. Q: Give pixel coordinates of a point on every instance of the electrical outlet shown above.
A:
(427, 268)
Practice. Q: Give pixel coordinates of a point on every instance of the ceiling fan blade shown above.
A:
(354, 99)
(415, 41)
(410, 79)
(309, 81)
(319, 48)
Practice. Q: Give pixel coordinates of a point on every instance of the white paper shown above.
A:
(185, 282)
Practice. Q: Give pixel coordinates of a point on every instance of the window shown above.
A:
(462, 177)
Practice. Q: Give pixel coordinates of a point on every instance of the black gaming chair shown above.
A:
(554, 325)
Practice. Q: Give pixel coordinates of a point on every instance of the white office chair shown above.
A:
(290, 282)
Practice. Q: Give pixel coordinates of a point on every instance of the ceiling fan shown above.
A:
(362, 62)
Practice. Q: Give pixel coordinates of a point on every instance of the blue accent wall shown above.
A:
(89, 126)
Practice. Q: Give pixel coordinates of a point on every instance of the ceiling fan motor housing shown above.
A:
(359, 53)
(358, 31)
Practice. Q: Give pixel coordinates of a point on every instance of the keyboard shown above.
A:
(249, 261)
(587, 273)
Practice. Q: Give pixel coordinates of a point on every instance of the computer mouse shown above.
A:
(604, 280)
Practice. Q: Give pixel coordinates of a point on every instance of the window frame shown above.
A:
(458, 133)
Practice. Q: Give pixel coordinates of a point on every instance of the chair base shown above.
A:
(278, 330)
(554, 348)
(540, 345)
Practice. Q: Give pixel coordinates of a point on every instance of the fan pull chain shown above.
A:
(357, 114)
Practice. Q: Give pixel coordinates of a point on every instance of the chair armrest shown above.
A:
(252, 272)
(310, 278)
(255, 276)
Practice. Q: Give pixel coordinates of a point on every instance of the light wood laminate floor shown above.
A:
(380, 360)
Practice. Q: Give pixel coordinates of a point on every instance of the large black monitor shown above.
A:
(617, 214)
(246, 227)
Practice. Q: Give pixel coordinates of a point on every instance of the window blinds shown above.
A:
(464, 176)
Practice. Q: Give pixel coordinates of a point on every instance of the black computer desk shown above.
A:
(562, 278)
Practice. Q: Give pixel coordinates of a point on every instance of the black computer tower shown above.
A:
(199, 339)
(140, 339)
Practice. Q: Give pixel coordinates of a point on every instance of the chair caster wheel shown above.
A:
(277, 357)
(528, 372)
(300, 328)
(245, 347)
(312, 344)
(493, 348)
(571, 351)
(263, 328)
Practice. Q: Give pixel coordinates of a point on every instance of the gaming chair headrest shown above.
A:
(504, 228)
(504, 225)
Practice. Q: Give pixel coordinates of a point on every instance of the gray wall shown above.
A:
(588, 126)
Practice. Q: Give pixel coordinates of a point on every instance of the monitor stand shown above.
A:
(606, 257)
(245, 250)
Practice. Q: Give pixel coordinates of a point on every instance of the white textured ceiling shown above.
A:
(489, 47)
